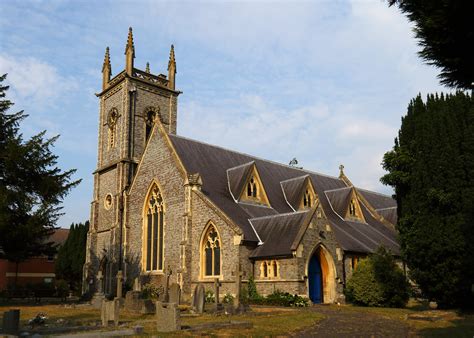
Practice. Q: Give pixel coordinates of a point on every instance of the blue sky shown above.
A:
(323, 81)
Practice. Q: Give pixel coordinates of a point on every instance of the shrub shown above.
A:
(285, 299)
(228, 299)
(378, 281)
(210, 297)
(151, 291)
(252, 289)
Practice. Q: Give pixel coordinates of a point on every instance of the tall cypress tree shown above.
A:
(431, 168)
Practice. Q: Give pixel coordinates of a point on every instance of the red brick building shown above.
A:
(34, 270)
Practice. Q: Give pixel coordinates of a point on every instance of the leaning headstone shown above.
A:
(110, 312)
(199, 298)
(11, 321)
(167, 317)
(175, 293)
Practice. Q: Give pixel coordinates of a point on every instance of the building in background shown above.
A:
(34, 270)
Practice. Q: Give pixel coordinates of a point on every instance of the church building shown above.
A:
(165, 206)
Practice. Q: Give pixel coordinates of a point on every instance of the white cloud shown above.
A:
(32, 81)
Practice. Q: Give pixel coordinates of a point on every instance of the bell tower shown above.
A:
(129, 104)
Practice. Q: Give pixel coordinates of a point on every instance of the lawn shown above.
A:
(265, 320)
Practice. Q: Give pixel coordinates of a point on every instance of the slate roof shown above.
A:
(223, 170)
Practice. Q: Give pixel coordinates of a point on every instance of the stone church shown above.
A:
(165, 206)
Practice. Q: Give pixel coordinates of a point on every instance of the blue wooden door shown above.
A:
(315, 280)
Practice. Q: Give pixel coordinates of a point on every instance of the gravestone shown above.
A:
(11, 321)
(133, 301)
(168, 275)
(199, 298)
(175, 294)
(110, 312)
(167, 317)
(238, 306)
(147, 306)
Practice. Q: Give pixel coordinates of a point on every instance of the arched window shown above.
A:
(275, 269)
(112, 124)
(154, 232)
(211, 252)
(252, 188)
(149, 122)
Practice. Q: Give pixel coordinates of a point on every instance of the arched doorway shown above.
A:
(321, 276)
(315, 280)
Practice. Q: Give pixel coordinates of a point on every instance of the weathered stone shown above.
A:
(175, 293)
(110, 312)
(11, 321)
(167, 317)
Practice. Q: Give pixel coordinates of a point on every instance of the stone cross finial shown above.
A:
(341, 170)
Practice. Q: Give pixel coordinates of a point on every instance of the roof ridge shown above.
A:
(375, 192)
(254, 157)
(294, 178)
(240, 165)
(331, 190)
(385, 208)
(255, 205)
(277, 215)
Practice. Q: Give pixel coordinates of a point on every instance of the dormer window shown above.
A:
(354, 211)
(252, 188)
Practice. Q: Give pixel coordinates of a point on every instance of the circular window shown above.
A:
(108, 201)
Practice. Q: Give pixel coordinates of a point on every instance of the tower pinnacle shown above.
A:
(106, 69)
(172, 69)
(129, 53)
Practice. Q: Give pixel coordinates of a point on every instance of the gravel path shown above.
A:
(343, 323)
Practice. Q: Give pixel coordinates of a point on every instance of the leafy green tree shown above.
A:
(445, 34)
(378, 281)
(72, 255)
(431, 168)
(32, 187)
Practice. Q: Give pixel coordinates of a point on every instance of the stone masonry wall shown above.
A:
(202, 214)
(157, 164)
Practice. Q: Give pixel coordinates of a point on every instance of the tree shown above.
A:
(378, 281)
(431, 168)
(72, 255)
(32, 187)
(445, 33)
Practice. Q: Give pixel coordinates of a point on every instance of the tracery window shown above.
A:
(154, 231)
(112, 128)
(211, 252)
(252, 189)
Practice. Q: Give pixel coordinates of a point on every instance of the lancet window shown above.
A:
(154, 231)
(112, 128)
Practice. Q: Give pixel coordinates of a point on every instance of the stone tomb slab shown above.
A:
(110, 312)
